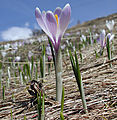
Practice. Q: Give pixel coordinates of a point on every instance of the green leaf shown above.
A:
(41, 67)
(78, 72)
(3, 92)
(11, 115)
(0, 65)
(39, 106)
(43, 52)
(108, 49)
(43, 104)
(62, 100)
(24, 69)
(19, 69)
(61, 116)
(36, 70)
(28, 70)
(24, 117)
(51, 46)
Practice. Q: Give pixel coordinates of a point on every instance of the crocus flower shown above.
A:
(110, 25)
(54, 23)
(63, 47)
(3, 54)
(17, 59)
(48, 52)
(83, 38)
(30, 54)
(103, 37)
(95, 36)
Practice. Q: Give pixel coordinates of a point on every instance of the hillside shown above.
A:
(99, 79)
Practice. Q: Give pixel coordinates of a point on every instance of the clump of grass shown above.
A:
(40, 107)
(76, 70)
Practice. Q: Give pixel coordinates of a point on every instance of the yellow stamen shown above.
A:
(56, 16)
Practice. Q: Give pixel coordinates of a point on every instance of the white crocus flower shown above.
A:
(18, 58)
(30, 54)
(3, 54)
(110, 25)
(74, 48)
(83, 38)
(63, 47)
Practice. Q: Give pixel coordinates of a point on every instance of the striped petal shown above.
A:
(51, 25)
(58, 11)
(40, 20)
(64, 19)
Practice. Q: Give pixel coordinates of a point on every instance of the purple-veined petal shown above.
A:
(64, 19)
(51, 25)
(40, 20)
(44, 16)
(58, 11)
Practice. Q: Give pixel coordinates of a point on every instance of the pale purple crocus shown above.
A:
(17, 59)
(103, 38)
(54, 23)
(49, 53)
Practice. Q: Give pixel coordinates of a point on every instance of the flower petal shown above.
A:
(40, 20)
(51, 24)
(58, 11)
(102, 38)
(113, 22)
(110, 36)
(58, 43)
(64, 19)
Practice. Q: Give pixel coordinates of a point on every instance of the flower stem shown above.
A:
(43, 61)
(58, 72)
(108, 51)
